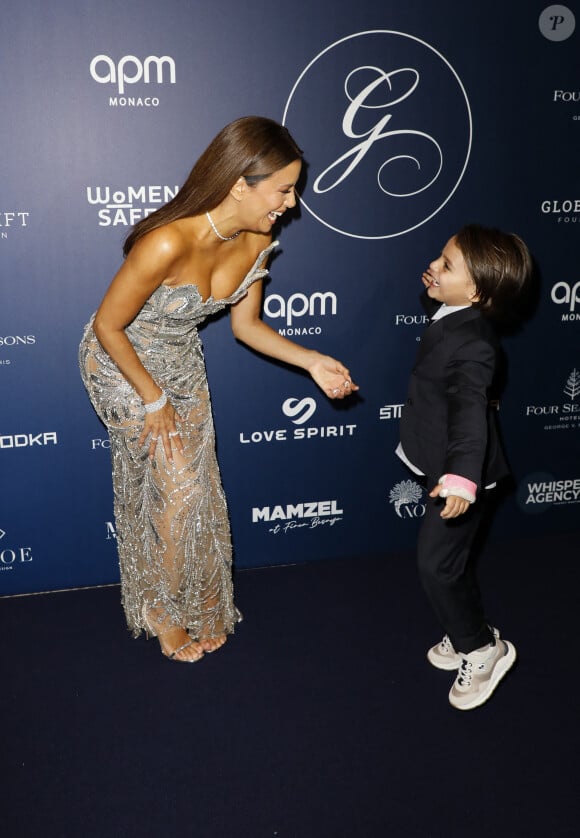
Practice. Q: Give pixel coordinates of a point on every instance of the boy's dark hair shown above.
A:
(501, 267)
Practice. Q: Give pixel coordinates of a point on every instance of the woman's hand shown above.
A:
(332, 377)
(161, 425)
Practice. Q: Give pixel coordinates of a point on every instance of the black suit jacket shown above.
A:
(447, 426)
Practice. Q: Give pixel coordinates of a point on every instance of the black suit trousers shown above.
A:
(447, 570)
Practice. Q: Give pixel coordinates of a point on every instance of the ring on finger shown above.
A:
(173, 433)
(154, 438)
(346, 385)
(336, 390)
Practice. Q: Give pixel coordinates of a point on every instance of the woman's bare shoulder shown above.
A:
(168, 240)
(158, 251)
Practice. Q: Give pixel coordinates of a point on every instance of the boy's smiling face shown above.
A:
(448, 280)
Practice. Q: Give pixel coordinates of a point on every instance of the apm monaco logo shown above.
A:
(564, 211)
(299, 411)
(396, 125)
(566, 415)
(28, 440)
(129, 205)
(11, 557)
(294, 516)
(11, 220)
(111, 531)
(130, 70)
(541, 491)
(567, 295)
(406, 498)
(297, 306)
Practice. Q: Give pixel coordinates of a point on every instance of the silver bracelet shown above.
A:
(153, 406)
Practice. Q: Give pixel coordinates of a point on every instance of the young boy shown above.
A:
(448, 434)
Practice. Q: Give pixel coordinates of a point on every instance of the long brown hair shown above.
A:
(253, 147)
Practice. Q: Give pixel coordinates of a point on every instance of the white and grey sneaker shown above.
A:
(444, 656)
(480, 673)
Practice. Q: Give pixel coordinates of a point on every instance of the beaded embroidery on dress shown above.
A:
(173, 531)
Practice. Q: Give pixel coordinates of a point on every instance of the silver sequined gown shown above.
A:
(172, 523)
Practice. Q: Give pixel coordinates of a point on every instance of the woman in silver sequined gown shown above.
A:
(142, 363)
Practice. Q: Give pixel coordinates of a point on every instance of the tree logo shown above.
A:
(572, 387)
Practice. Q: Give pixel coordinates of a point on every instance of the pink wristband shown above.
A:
(454, 484)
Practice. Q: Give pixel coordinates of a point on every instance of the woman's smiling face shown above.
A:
(268, 199)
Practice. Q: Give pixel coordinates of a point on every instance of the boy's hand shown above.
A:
(454, 506)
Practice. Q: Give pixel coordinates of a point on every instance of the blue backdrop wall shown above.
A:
(415, 118)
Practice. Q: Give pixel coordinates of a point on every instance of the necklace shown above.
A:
(217, 232)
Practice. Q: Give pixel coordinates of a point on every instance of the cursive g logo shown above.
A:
(395, 138)
(302, 409)
(377, 132)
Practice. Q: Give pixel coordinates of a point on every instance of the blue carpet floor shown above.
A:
(320, 718)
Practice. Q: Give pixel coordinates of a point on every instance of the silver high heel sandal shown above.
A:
(150, 631)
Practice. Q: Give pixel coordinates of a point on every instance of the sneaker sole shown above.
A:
(503, 666)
